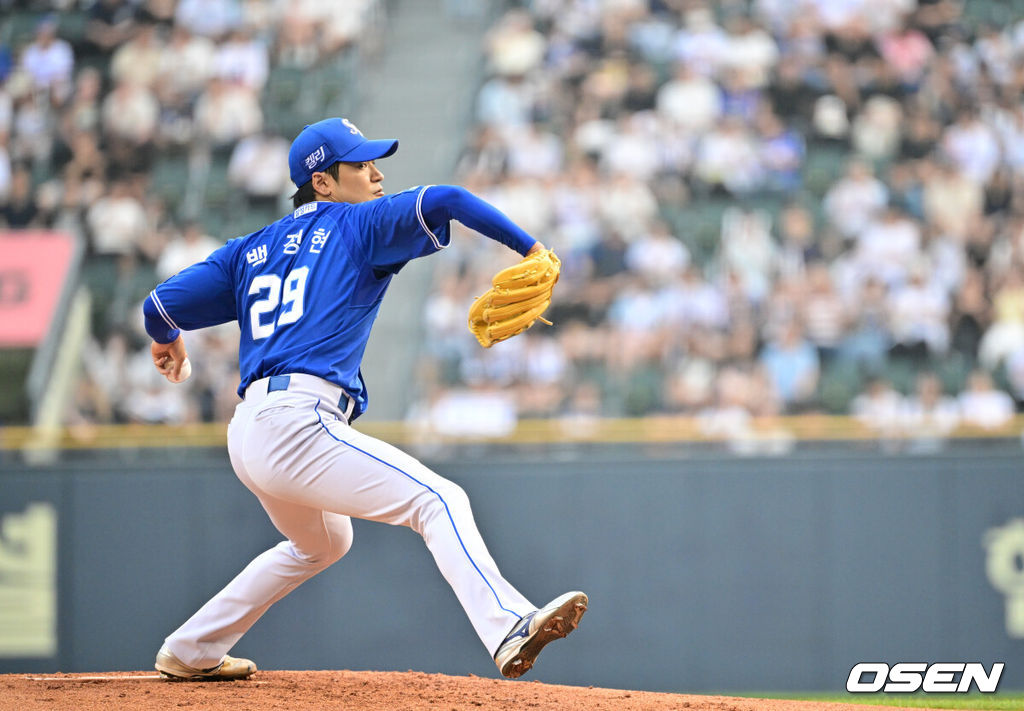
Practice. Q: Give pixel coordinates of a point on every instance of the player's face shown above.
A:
(357, 182)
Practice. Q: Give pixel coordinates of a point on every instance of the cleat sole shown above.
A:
(563, 621)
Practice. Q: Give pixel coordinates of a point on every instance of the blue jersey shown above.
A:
(306, 289)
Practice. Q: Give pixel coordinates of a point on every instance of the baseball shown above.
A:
(186, 370)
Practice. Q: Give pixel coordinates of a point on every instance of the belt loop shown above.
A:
(346, 404)
(278, 382)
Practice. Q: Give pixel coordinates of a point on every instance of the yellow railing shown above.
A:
(663, 429)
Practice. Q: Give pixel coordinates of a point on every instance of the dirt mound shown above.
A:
(352, 691)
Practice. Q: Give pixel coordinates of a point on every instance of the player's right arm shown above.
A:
(201, 295)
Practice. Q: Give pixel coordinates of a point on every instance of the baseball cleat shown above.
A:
(230, 668)
(515, 655)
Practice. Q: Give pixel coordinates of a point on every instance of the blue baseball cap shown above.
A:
(326, 142)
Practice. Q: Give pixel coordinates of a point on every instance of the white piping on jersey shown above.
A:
(160, 308)
(423, 223)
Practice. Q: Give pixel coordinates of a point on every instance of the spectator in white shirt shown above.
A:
(879, 407)
(49, 61)
(480, 410)
(727, 158)
(575, 207)
(973, 146)
(889, 246)
(259, 166)
(701, 43)
(690, 101)
(876, 130)
(117, 222)
(244, 60)
(837, 15)
(693, 302)
(227, 112)
(995, 48)
(824, 313)
(627, 202)
(853, 201)
(919, 316)
(982, 405)
(186, 64)
(929, 415)
(130, 113)
(192, 246)
(750, 50)
(533, 151)
(210, 18)
(351, 23)
(658, 255)
(32, 137)
(529, 202)
(747, 248)
(505, 101)
(637, 150)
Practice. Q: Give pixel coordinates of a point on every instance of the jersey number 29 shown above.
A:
(290, 301)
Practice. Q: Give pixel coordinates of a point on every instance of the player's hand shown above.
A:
(171, 360)
(537, 247)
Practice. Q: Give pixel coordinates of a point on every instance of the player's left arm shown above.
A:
(401, 227)
(519, 294)
(388, 222)
(443, 203)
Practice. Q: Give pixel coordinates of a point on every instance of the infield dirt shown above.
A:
(353, 691)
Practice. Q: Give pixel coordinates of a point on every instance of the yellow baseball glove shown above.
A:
(518, 296)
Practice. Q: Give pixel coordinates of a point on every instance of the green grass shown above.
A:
(976, 701)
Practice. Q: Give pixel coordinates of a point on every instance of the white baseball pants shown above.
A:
(296, 452)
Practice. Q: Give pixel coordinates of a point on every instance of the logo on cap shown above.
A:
(314, 158)
(351, 127)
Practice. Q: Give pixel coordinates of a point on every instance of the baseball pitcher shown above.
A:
(305, 291)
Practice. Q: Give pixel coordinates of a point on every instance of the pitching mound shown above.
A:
(352, 691)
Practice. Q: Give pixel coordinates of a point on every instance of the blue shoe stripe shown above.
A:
(428, 488)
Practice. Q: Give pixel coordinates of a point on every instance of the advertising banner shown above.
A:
(33, 268)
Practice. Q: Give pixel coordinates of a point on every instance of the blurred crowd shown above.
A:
(892, 288)
(861, 163)
(94, 94)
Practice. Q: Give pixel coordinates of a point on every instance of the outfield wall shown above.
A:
(707, 573)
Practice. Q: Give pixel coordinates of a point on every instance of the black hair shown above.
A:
(305, 193)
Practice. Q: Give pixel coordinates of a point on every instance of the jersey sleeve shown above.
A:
(394, 229)
(442, 203)
(201, 295)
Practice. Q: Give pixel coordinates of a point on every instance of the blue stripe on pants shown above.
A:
(435, 493)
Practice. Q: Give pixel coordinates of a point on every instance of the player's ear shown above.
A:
(321, 185)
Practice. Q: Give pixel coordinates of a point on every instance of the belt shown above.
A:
(329, 394)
